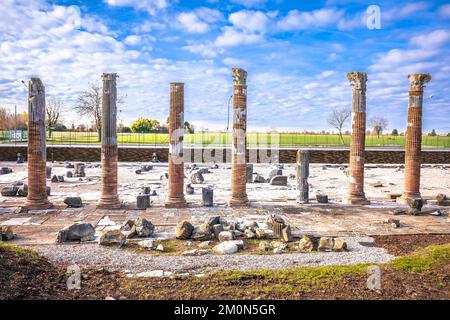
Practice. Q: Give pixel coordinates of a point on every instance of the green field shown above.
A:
(253, 139)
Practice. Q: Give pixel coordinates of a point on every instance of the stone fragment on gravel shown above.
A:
(6, 233)
(286, 234)
(322, 198)
(189, 189)
(259, 179)
(306, 244)
(149, 244)
(414, 206)
(183, 230)
(279, 181)
(197, 178)
(73, 202)
(201, 233)
(9, 191)
(76, 232)
(111, 236)
(226, 247)
(143, 201)
(395, 223)
(273, 173)
(225, 236)
(325, 244)
(208, 196)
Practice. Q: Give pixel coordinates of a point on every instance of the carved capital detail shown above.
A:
(417, 81)
(358, 80)
(239, 76)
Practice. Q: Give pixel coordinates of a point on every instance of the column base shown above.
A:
(238, 202)
(109, 204)
(175, 203)
(356, 201)
(405, 196)
(37, 204)
(301, 201)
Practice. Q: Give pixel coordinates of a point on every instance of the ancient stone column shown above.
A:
(109, 198)
(37, 153)
(302, 170)
(413, 147)
(175, 194)
(238, 195)
(357, 144)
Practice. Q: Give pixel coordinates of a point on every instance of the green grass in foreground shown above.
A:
(253, 139)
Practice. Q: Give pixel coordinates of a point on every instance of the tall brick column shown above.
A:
(238, 195)
(413, 147)
(175, 197)
(357, 144)
(37, 153)
(109, 198)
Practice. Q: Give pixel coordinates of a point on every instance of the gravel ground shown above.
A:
(361, 250)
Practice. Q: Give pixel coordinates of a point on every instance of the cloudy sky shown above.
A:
(297, 54)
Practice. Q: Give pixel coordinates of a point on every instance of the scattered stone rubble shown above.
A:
(6, 233)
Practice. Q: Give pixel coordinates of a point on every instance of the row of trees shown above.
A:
(89, 103)
(340, 116)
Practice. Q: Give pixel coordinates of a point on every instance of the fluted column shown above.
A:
(302, 170)
(109, 198)
(357, 144)
(175, 197)
(413, 145)
(37, 153)
(238, 195)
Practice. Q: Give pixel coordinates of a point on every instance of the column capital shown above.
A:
(358, 80)
(109, 76)
(417, 81)
(239, 76)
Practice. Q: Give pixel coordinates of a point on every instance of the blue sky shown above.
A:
(297, 54)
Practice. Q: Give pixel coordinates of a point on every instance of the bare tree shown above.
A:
(53, 110)
(378, 124)
(6, 119)
(338, 118)
(89, 103)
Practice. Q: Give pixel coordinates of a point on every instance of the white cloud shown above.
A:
(199, 20)
(403, 11)
(432, 40)
(232, 37)
(191, 23)
(251, 21)
(301, 20)
(151, 6)
(206, 50)
(132, 40)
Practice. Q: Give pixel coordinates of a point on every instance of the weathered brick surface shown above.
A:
(37, 183)
(357, 145)
(414, 135)
(109, 198)
(238, 194)
(175, 195)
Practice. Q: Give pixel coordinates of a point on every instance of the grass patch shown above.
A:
(423, 259)
(20, 252)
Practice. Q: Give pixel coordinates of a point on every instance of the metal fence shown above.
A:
(221, 139)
